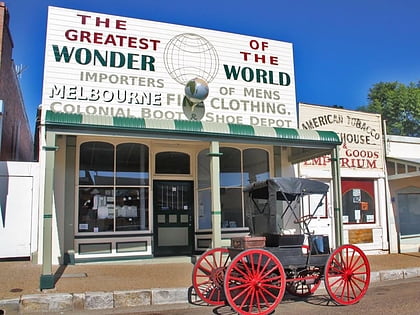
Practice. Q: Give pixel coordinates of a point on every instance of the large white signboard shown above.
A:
(360, 133)
(109, 65)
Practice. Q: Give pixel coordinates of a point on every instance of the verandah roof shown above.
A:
(317, 141)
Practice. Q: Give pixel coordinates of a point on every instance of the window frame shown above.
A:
(203, 189)
(114, 187)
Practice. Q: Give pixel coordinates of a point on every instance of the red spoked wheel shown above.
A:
(347, 275)
(208, 275)
(254, 282)
(306, 283)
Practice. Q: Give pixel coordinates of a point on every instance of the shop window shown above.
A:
(390, 166)
(358, 201)
(204, 209)
(113, 196)
(230, 167)
(172, 163)
(231, 202)
(203, 169)
(255, 166)
(131, 207)
(234, 176)
(96, 164)
(409, 213)
(132, 164)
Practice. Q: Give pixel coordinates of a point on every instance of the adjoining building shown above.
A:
(367, 216)
(403, 166)
(18, 172)
(150, 131)
(16, 143)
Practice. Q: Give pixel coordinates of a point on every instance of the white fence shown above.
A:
(19, 184)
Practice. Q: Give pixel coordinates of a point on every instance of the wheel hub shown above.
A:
(348, 274)
(218, 276)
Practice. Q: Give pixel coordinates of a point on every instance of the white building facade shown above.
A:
(366, 207)
(403, 166)
(150, 131)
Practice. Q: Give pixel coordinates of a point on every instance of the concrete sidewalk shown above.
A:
(132, 284)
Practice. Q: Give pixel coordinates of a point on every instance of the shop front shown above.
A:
(139, 194)
(364, 189)
(149, 132)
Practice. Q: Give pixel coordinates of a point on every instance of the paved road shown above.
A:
(389, 297)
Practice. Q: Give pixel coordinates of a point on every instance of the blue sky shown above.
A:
(341, 48)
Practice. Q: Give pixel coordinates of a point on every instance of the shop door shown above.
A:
(173, 218)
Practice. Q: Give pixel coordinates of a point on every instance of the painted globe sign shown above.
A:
(120, 66)
(190, 55)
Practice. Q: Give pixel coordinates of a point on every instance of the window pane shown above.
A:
(204, 211)
(255, 166)
(230, 167)
(411, 168)
(96, 209)
(400, 168)
(132, 164)
(203, 169)
(132, 209)
(172, 163)
(409, 213)
(96, 164)
(231, 201)
(390, 166)
(358, 207)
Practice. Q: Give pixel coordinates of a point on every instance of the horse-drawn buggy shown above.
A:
(253, 274)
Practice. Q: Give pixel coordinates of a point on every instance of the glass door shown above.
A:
(173, 217)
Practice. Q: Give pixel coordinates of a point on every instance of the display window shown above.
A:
(409, 213)
(358, 201)
(238, 168)
(113, 187)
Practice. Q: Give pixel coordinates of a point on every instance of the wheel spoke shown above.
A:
(241, 273)
(251, 297)
(352, 289)
(352, 265)
(255, 282)
(248, 292)
(208, 275)
(348, 285)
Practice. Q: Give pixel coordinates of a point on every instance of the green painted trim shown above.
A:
(188, 125)
(50, 148)
(63, 117)
(129, 122)
(47, 216)
(216, 154)
(243, 130)
(216, 212)
(329, 136)
(287, 133)
(46, 282)
(102, 259)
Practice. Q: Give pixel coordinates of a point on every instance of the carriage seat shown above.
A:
(279, 240)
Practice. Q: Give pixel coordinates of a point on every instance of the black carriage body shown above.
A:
(262, 202)
(292, 258)
(263, 213)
